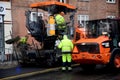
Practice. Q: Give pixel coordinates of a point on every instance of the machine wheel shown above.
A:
(88, 66)
(115, 60)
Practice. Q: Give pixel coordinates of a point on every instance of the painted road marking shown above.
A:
(33, 73)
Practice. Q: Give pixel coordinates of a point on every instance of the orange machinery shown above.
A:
(100, 46)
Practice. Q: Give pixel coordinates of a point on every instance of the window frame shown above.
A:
(81, 18)
(111, 1)
(63, 1)
(111, 16)
(32, 17)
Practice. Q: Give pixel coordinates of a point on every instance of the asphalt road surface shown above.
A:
(100, 73)
(77, 74)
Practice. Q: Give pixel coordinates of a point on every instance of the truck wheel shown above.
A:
(115, 60)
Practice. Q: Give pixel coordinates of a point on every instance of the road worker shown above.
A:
(23, 45)
(66, 46)
(60, 23)
(23, 40)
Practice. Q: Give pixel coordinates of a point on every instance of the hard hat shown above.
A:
(65, 37)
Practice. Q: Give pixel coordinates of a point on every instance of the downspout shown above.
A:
(118, 8)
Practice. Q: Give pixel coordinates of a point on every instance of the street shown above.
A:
(38, 73)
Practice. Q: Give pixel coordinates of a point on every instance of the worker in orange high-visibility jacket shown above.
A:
(66, 46)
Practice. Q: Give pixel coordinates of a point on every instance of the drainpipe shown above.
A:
(118, 8)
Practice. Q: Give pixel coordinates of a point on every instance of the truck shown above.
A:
(100, 46)
(48, 55)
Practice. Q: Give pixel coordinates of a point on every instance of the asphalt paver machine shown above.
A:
(37, 28)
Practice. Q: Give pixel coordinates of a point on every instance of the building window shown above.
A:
(33, 16)
(110, 16)
(110, 1)
(82, 19)
(63, 1)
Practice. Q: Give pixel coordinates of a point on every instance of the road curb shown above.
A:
(8, 64)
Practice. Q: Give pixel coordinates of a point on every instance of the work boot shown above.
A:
(69, 68)
(63, 68)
